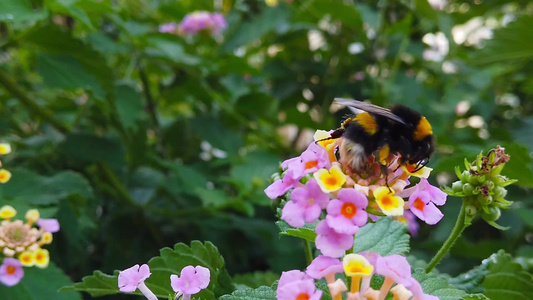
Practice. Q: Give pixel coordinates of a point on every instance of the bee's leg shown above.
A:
(385, 171)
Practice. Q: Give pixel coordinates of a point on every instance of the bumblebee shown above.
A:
(377, 130)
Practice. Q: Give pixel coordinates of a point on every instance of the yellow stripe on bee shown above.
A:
(367, 122)
(423, 130)
(383, 154)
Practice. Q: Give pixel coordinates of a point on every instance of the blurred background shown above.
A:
(137, 136)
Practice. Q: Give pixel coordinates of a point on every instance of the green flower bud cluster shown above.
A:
(482, 187)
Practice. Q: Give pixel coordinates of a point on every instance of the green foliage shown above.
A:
(170, 261)
(260, 293)
(506, 279)
(437, 285)
(256, 279)
(41, 284)
(136, 139)
(385, 237)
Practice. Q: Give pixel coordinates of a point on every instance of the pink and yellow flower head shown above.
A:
(389, 203)
(346, 214)
(330, 180)
(357, 265)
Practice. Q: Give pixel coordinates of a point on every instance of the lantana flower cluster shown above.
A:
(21, 243)
(197, 22)
(359, 270)
(321, 189)
(191, 281)
(5, 175)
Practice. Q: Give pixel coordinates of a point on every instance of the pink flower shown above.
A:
(421, 206)
(168, 27)
(396, 267)
(133, 278)
(48, 225)
(297, 285)
(331, 243)
(314, 158)
(418, 293)
(202, 20)
(281, 186)
(306, 205)
(323, 266)
(412, 225)
(436, 195)
(192, 280)
(347, 214)
(11, 272)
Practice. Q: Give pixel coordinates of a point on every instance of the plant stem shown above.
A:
(35, 108)
(459, 227)
(308, 252)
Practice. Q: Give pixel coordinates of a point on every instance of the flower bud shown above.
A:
(465, 176)
(470, 210)
(457, 187)
(485, 200)
(468, 188)
(493, 214)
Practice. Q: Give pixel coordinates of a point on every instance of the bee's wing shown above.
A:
(370, 108)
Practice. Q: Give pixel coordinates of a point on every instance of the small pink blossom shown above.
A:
(346, 214)
(314, 158)
(306, 205)
(396, 267)
(48, 225)
(11, 271)
(198, 21)
(412, 225)
(192, 280)
(418, 292)
(294, 284)
(133, 278)
(281, 186)
(421, 206)
(168, 27)
(331, 243)
(322, 266)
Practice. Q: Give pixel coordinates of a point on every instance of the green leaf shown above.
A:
(437, 285)
(53, 39)
(130, 106)
(307, 232)
(81, 149)
(29, 187)
(170, 261)
(253, 173)
(261, 293)
(38, 284)
(346, 13)
(506, 279)
(519, 166)
(508, 43)
(66, 72)
(217, 134)
(475, 297)
(385, 237)
(98, 284)
(256, 279)
(170, 49)
(269, 19)
(471, 280)
(20, 11)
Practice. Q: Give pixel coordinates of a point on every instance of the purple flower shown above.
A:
(346, 214)
(323, 266)
(192, 280)
(11, 271)
(168, 27)
(203, 21)
(436, 195)
(306, 205)
(314, 158)
(295, 285)
(133, 278)
(412, 225)
(418, 293)
(396, 267)
(48, 225)
(330, 242)
(281, 186)
(421, 206)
